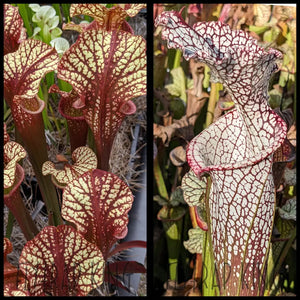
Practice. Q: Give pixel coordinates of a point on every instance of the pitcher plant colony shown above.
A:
(231, 186)
(224, 140)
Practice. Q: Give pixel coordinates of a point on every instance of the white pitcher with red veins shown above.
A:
(236, 150)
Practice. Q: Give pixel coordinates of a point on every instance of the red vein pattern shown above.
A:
(194, 190)
(14, 32)
(12, 153)
(23, 72)
(60, 262)
(106, 69)
(6, 137)
(235, 60)
(84, 160)
(24, 68)
(105, 18)
(98, 203)
(77, 126)
(12, 278)
(237, 150)
(241, 202)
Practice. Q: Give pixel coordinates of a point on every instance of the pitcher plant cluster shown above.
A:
(95, 79)
(223, 138)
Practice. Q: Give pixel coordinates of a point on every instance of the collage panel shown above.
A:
(149, 149)
(224, 129)
(75, 144)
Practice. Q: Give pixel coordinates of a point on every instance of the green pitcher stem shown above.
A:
(10, 225)
(173, 235)
(213, 99)
(210, 284)
(160, 180)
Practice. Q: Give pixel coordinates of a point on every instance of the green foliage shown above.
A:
(177, 107)
(46, 22)
(26, 14)
(195, 242)
(180, 84)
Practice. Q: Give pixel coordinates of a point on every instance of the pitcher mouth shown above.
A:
(204, 158)
(30, 105)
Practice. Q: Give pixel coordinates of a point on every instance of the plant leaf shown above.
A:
(132, 9)
(15, 293)
(6, 137)
(84, 160)
(193, 189)
(106, 69)
(27, 114)
(172, 219)
(171, 214)
(66, 107)
(179, 86)
(14, 32)
(13, 278)
(176, 197)
(262, 14)
(240, 195)
(12, 152)
(178, 156)
(7, 247)
(236, 61)
(83, 26)
(124, 267)
(288, 210)
(24, 69)
(106, 18)
(98, 202)
(126, 245)
(77, 125)
(115, 272)
(290, 176)
(60, 262)
(236, 150)
(195, 242)
(161, 201)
